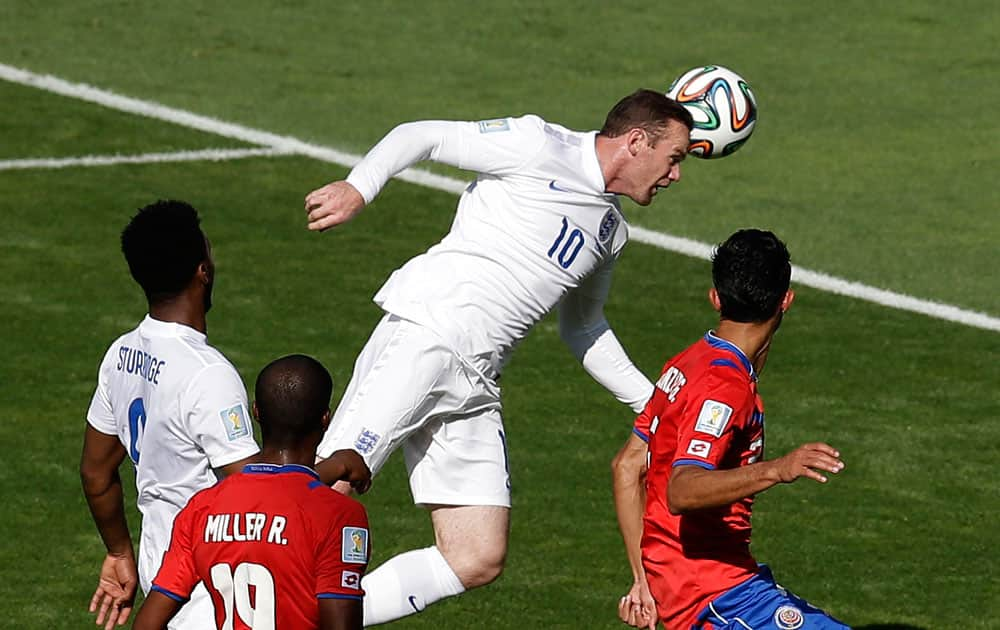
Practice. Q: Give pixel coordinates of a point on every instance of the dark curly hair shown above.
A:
(163, 245)
(751, 272)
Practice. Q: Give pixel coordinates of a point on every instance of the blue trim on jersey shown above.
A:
(337, 596)
(642, 436)
(316, 484)
(274, 469)
(173, 596)
(694, 462)
(725, 362)
(719, 342)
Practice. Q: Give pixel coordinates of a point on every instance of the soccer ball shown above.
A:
(723, 107)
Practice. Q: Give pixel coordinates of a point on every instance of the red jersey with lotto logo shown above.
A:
(704, 412)
(268, 542)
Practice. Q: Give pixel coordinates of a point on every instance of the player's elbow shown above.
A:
(95, 479)
(627, 468)
(678, 504)
(680, 499)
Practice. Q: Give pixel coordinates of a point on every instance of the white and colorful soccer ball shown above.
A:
(722, 105)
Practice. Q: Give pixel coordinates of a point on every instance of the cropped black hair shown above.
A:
(292, 394)
(163, 245)
(751, 272)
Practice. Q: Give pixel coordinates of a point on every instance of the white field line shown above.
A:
(288, 144)
(213, 155)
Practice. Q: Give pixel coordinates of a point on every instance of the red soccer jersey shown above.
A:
(268, 543)
(704, 412)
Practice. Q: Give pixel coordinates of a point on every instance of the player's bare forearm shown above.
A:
(156, 612)
(102, 488)
(345, 465)
(628, 471)
(695, 488)
(341, 614)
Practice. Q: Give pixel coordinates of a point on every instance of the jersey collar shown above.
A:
(160, 328)
(591, 165)
(275, 469)
(718, 342)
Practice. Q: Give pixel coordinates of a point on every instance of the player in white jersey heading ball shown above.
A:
(169, 401)
(541, 225)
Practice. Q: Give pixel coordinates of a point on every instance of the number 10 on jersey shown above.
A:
(570, 245)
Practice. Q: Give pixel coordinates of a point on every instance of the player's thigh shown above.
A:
(461, 459)
(403, 378)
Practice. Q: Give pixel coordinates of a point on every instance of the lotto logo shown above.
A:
(350, 579)
(699, 448)
(366, 441)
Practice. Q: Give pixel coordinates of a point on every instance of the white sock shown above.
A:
(407, 584)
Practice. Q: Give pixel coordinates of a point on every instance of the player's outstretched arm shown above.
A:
(340, 614)
(583, 327)
(102, 487)
(695, 488)
(156, 612)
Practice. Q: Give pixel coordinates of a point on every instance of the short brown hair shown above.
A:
(647, 110)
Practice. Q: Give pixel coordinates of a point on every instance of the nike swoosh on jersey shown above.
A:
(556, 188)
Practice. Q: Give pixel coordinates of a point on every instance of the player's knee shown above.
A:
(478, 566)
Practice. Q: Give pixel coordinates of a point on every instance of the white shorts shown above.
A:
(410, 389)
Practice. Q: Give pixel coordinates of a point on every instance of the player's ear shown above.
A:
(634, 140)
(253, 409)
(205, 271)
(713, 297)
(325, 420)
(786, 302)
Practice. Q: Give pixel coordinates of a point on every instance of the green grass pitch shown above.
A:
(875, 159)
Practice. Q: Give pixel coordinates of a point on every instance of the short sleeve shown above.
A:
(710, 419)
(177, 576)
(644, 421)
(100, 415)
(344, 553)
(217, 416)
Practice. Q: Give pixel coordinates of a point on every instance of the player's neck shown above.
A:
(284, 456)
(753, 339)
(610, 155)
(184, 309)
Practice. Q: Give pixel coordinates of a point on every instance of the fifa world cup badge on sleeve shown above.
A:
(713, 418)
(354, 545)
(235, 420)
(492, 126)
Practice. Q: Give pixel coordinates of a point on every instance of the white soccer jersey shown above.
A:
(535, 227)
(180, 409)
